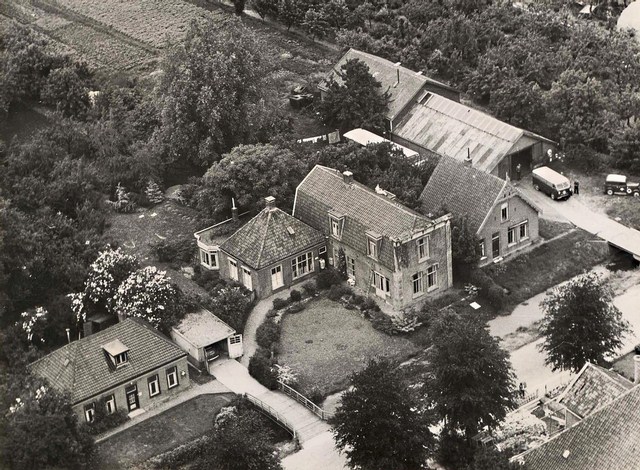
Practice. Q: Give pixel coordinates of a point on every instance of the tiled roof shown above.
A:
(463, 190)
(265, 239)
(386, 72)
(203, 328)
(324, 190)
(449, 128)
(81, 368)
(593, 388)
(608, 439)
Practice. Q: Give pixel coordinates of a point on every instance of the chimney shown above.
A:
(347, 177)
(398, 74)
(636, 369)
(68, 335)
(270, 202)
(234, 209)
(87, 328)
(468, 160)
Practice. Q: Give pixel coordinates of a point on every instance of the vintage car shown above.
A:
(618, 184)
(551, 183)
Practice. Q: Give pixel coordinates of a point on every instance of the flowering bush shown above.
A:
(232, 304)
(148, 293)
(32, 322)
(286, 375)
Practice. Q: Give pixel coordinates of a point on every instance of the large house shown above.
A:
(404, 86)
(390, 251)
(129, 366)
(503, 219)
(270, 252)
(437, 125)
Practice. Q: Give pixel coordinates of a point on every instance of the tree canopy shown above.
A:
(581, 323)
(380, 422)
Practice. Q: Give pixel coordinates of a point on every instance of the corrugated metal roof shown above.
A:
(453, 129)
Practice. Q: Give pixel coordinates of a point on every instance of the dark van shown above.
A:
(552, 183)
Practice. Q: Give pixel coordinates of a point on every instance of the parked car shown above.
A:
(552, 183)
(618, 184)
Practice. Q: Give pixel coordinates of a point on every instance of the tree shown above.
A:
(315, 23)
(464, 247)
(148, 293)
(248, 174)
(625, 148)
(471, 384)
(380, 422)
(356, 99)
(265, 8)
(341, 265)
(581, 324)
(123, 202)
(153, 192)
(290, 12)
(212, 101)
(233, 305)
(492, 459)
(67, 89)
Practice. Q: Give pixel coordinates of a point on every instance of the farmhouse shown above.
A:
(404, 85)
(440, 126)
(390, 251)
(503, 219)
(206, 338)
(128, 366)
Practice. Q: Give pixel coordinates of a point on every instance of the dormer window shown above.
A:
(117, 353)
(336, 222)
(374, 241)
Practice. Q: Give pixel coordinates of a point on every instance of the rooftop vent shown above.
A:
(291, 231)
(566, 454)
(347, 176)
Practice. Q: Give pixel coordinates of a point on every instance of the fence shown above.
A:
(315, 409)
(273, 414)
(521, 401)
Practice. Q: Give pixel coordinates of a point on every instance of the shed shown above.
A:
(205, 338)
(364, 137)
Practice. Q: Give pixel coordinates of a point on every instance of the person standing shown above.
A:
(518, 171)
(576, 187)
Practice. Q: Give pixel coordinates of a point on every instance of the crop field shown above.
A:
(158, 23)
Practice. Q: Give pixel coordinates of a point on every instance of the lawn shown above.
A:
(325, 343)
(550, 228)
(161, 433)
(548, 265)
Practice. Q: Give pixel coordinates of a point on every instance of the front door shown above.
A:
(495, 245)
(132, 397)
(276, 278)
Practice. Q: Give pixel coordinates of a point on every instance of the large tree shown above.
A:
(581, 323)
(214, 94)
(470, 382)
(355, 99)
(380, 422)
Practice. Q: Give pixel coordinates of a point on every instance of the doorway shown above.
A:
(276, 278)
(495, 245)
(132, 398)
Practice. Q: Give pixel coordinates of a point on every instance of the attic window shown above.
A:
(374, 241)
(291, 231)
(336, 222)
(118, 353)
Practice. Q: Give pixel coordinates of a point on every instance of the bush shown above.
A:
(316, 396)
(358, 300)
(183, 454)
(208, 280)
(295, 296)
(296, 307)
(261, 368)
(370, 305)
(327, 278)
(181, 250)
(268, 333)
(279, 304)
(102, 421)
(495, 297)
(336, 292)
(310, 289)
(382, 322)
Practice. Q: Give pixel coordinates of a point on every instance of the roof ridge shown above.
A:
(264, 235)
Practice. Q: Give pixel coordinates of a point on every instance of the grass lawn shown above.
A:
(325, 343)
(627, 209)
(550, 228)
(548, 265)
(161, 433)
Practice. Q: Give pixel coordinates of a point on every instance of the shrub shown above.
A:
(279, 304)
(296, 308)
(358, 300)
(327, 278)
(382, 322)
(261, 368)
(310, 289)
(495, 297)
(102, 421)
(336, 292)
(181, 250)
(183, 454)
(295, 296)
(208, 280)
(370, 305)
(268, 333)
(272, 313)
(316, 396)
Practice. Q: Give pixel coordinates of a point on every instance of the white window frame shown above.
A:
(155, 380)
(418, 283)
(235, 339)
(351, 267)
(90, 412)
(274, 272)
(121, 359)
(322, 250)
(110, 404)
(172, 372)
(504, 212)
(233, 269)
(381, 282)
(524, 225)
(302, 265)
(335, 228)
(483, 248)
(432, 277)
(423, 248)
(512, 234)
(209, 259)
(246, 278)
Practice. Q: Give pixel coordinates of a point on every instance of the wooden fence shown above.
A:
(297, 396)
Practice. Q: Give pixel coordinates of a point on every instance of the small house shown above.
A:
(504, 220)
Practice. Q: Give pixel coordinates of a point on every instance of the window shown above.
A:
(302, 265)
(381, 283)
(337, 223)
(246, 278)
(374, 241)
(172, 377)
(423, 248)
(351, 267)
(335, 228)
(524, 230)
(511, 236)
(121, 359)
(110, 404)
(90, 412)
(322, 250)
(417, 283)
(235, 339)
(483, 253)
(504, 211)
(432, 277)
(154, 385)
(209, 259)
(233, 269)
